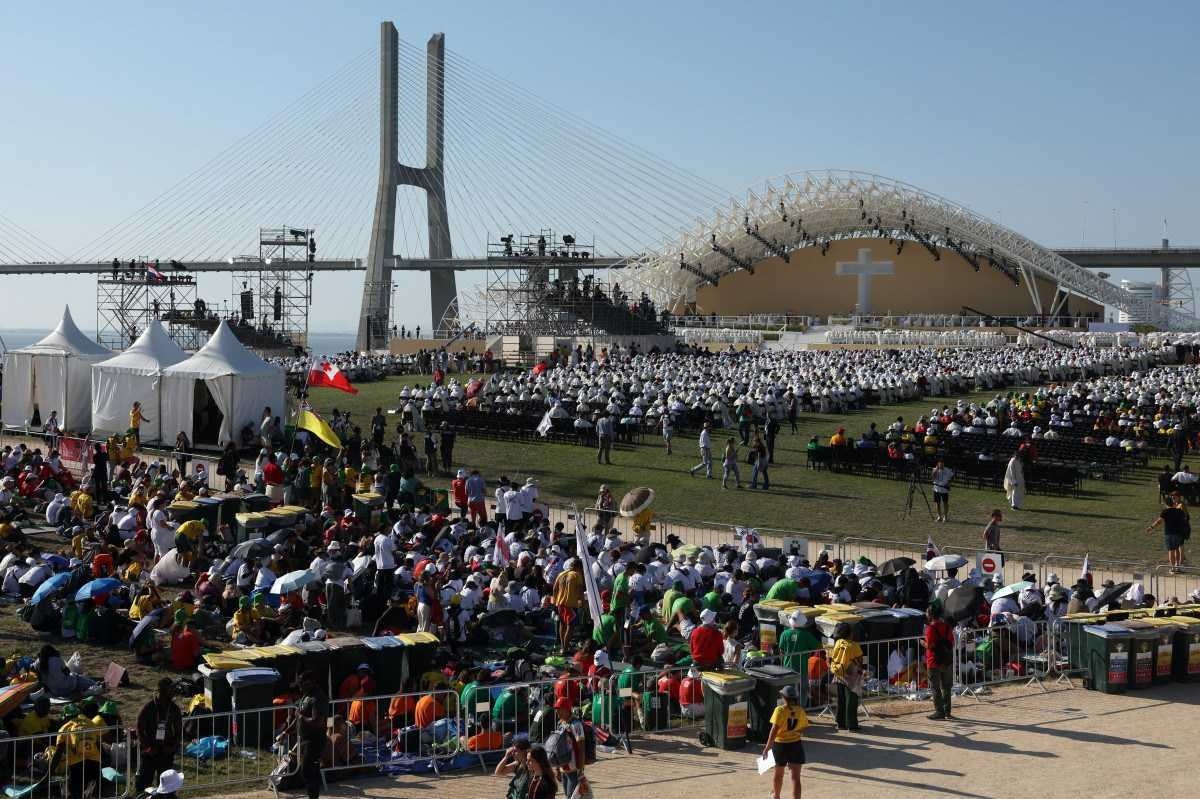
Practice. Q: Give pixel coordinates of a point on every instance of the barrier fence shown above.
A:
(238, 747)
(1157, 579)
(95, 761)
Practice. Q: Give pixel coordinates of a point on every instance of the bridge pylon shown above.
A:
(374, 322)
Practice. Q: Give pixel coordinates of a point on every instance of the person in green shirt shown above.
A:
(668, 602)
(796, 641)
(784, 590)
(682, 604)
(620, 592)
(603, 632)
(652, 628)
(512, 708)
(472, 692)
(711, 601)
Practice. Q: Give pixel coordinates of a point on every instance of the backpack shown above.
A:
(560, 749)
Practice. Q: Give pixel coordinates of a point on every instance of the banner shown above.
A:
(589, 579)
(74, 450)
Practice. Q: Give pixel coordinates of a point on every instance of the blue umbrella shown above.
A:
(105, 585)
(56, 562)
(49, 586)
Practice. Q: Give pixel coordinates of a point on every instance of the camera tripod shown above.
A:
(916, 484)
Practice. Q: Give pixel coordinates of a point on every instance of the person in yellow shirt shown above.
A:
(78, 746)
(784, 741)
(145, 604)
(838, 439)
(136, 417)
(846, 665)
(36, 721)
(568, 599)
(193, 529)
(245, 623)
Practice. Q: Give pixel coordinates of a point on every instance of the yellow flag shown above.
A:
(308, 420)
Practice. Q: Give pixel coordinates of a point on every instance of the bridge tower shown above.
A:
(374, 318)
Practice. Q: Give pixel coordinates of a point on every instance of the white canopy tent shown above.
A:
(54, 374)
(222, 379)
(134, 376)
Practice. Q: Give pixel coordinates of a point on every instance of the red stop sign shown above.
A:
(988, 565)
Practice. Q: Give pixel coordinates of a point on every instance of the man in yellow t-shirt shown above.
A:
(568, 599)
(784, 741)
(78, 745)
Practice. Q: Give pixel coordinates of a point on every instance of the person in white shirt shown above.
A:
(1185, 476)
(705, 453)
(266, 577)
(502, 502)
(162, 533)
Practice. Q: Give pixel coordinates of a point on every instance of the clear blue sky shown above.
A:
(1023, 111)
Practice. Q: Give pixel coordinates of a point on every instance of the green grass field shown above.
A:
(1107, 519)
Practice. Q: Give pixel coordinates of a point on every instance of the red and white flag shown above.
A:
(931, 550)
(323, 374)
(500, 553)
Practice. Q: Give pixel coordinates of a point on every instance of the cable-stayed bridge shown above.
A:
(415, 158)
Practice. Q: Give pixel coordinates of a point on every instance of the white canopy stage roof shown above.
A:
(134, 376)
(212, 395)
(55, 374)
(811, 209)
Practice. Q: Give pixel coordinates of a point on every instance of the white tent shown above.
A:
(224, 378)
(134, 376)
(54, 374)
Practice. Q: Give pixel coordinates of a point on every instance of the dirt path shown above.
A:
(1066, 742)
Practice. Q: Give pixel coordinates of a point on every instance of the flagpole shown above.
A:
(303, 399)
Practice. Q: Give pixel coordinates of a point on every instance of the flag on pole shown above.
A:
(500, 554)
(153, 274)
(931, 550)
(590, 589)
(323, 374)
(307, 419)
(1086, 573)
(545, 426)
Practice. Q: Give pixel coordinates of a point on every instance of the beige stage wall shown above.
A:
(809, 285)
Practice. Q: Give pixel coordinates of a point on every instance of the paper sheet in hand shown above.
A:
(767, 763)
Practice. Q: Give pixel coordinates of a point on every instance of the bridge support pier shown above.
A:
(375, 314)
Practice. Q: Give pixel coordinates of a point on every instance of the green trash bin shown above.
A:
(1164, 648)
(727, 708)
(1074, 632)
(1107, 660)
(1185, 663)
(1142, 651)
(768, 681)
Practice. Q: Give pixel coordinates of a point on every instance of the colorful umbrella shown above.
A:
(1014, 589)
(50, 586)
(943, 562)
(293, 581)
(143, 623)
(105, 585)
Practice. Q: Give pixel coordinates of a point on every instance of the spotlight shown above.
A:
(230, 259)
(568, 240)
(268, 262)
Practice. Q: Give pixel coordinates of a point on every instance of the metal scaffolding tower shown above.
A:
(541, 284)
(128, 298)
(274, 296)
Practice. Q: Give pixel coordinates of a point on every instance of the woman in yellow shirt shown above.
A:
(846, 664)
(787, 725)
(135, 422)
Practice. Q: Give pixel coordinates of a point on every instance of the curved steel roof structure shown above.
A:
(810, 209)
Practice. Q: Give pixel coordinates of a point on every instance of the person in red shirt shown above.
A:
(707, 643)
(273, 478)
(360, 680)
(939, 659)
(427, 711)
(185, 649)
(458, 490)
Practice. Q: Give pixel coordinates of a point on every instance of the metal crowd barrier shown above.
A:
(1017, 651)
(378, 734)
(104, 764)
(257, 742)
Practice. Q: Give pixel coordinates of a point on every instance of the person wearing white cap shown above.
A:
(796, 641)
(706, 643)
